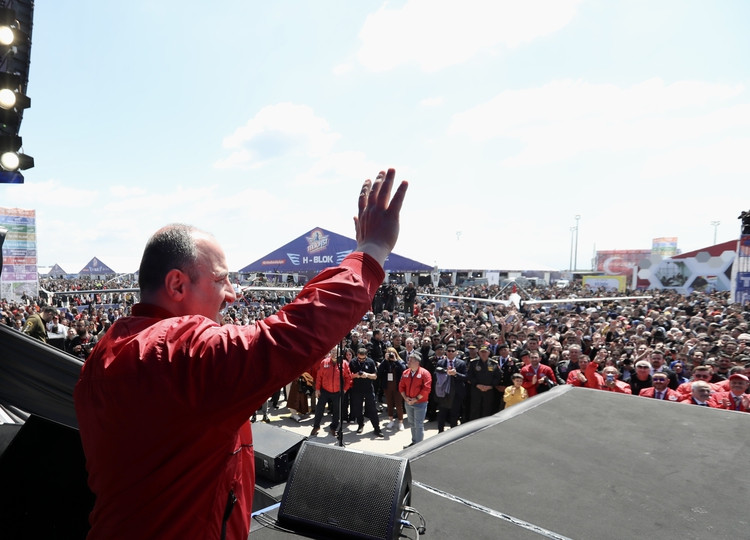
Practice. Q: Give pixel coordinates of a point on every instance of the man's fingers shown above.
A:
(372, 200)
(398, 198)
(384, 191)
(364, 194)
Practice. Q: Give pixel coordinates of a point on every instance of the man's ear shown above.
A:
(175, 284)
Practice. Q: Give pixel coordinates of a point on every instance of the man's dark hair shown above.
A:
(172, 247)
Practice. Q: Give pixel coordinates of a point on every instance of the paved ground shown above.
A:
(393, 442)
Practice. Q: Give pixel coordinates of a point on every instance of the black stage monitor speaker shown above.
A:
(338, 492)
(275, 450)
(44, 492)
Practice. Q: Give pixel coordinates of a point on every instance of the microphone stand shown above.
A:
(340, 430)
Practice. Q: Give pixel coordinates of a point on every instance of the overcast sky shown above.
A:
(258, 121)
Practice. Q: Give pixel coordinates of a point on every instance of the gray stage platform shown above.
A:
(585, 464)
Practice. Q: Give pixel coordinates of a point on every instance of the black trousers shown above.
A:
(370, 410)
(327, 397)
(483, 403)
(450, 414)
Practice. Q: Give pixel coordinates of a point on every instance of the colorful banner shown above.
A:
(19, 274)
(665, 246)
(620, 262)
(609, 283)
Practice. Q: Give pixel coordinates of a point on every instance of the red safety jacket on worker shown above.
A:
(163, 405)
(416, 383)
(329, 378)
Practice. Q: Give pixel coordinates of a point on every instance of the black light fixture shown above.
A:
(11, 159)
(11, 96)
(8, 26)
(16, 22)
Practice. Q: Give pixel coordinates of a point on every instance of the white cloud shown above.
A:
(566, 118)
(431, 102)
(336, 168)
(727, 156)
(439, 33)
(342, 69)
(278, 130)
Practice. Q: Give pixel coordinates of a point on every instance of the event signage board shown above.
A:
(19, 274)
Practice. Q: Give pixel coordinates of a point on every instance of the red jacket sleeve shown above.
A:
(593, 377)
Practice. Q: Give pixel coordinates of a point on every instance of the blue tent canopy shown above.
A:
(318, 249)
(95, 267)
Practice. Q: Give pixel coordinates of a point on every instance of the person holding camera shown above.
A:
(389, 375)
(82, 342)
(609, 381)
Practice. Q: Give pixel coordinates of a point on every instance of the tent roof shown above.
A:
(96, 267)
(715, 250)
(56, 271)
(318, 249)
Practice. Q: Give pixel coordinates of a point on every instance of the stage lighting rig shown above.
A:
(16, 21)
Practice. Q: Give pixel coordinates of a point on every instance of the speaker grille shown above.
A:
(348, 492)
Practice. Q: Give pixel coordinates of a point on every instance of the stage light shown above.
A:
(7, 98)
(9, 161)
(8, 27)
(10, 157)
(10, 92)
(6, 36)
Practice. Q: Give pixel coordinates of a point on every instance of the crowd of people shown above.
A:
(479, 357)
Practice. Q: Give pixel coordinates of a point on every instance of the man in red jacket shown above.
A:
(736, 399)
(163, 400)
(414, 387)
(328, 390)
(537, 375)
(609, 381)
(660, 389)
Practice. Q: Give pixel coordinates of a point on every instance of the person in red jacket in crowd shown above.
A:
(736, 399)
(660, 389)
(328, 391)
(723, 386)
(699, 394)
(609, 381)
(415, 386)
(164, 399)
(583, 376)
(700, 373)
(537, 376)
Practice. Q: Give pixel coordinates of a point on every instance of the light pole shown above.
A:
(575, 258)
(716, 226)
(570, 266)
